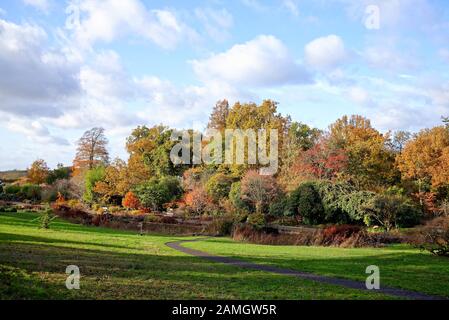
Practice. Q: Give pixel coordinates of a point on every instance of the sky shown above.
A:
(68, 66)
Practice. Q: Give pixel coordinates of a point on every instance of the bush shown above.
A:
(257, 220)
(155, 193)
(221, 226)
(31, 192)
(198, 201)
(12, 189)
(219, 186)
(392, 211)
(306, 202)
(434, 237)
(235, 196)
(279, 207)
(130, 201)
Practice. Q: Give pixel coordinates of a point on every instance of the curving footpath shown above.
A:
(352, 284)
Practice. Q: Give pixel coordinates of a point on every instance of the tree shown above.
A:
(116, 182)
(131, 201)
(197, 200)
(259, 190)
(392, 211)
(219, 115)
(38, 172)
(299, 139)
(425, 158)
(322, 161)
(400, 139)
(371, 164)
(91, 151)
(92, 177)
(60, 173)
(155, 193)
(149, 150)
(218, 186)
(251, 116)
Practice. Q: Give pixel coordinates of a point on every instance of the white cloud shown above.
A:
(107, 20)
(388, 58)
(34, 82)
(325, 53)
(262, 61)
(292, 6)
(215, 22)
(42, 5)
(35, 131)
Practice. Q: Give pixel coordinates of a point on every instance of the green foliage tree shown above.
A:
(60, 173)
(92, 177)
(157, 192)
(219, 186)
(391, 211)
(305, 201)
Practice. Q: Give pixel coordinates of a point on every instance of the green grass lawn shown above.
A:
(123, 265)
(400, 266)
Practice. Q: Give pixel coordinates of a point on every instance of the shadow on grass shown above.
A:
(118, 275)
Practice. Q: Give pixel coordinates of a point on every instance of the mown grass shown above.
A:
(400, 265)
(123, 265)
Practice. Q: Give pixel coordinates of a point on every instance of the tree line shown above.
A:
(349, 173)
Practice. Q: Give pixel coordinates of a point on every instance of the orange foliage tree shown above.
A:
(130, 201)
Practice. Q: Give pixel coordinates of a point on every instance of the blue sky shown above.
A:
(67, 66)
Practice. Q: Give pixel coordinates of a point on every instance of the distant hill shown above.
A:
(12, 175)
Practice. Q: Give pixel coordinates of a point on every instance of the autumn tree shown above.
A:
(259, 190)
(400, 139)
(197, 200)
(116, 182)
(219, 115)
(91, 151)
(38, 172)
(425, 159)
(371, 163)
(251, 116)
(130, 201)
(300, 138)
(322, 161)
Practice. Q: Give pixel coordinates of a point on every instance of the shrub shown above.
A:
(357, 204)
(279, 207)
(235, 196)
(198, 201)
(257, 220)
(259, 190)
(221, 226)
(130, 201)
(31, 192)
(218, 186)
(155, 193)
(306, 202)
(12, 189)
(392, 211)
(434, 237)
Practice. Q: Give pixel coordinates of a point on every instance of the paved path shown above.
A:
(400, 293)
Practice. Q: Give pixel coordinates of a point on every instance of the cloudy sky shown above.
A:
(67, 66)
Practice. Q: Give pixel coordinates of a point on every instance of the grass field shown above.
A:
(400, 266)
(123, 265)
